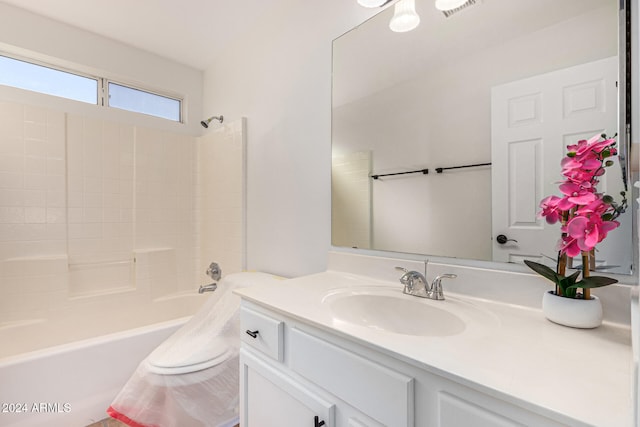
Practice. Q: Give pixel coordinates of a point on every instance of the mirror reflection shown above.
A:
(486, 100)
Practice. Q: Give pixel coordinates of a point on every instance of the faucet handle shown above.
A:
(436, 286)
(214, 271)
(405, 279)
(411, 279)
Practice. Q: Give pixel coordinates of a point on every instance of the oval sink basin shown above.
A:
(400, 314)
(391, 311)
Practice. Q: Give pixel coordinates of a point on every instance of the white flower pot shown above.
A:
(576, 313)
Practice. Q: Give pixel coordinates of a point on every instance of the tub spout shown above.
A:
(208, 288)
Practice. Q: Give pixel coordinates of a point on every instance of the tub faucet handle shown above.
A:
(214, 271)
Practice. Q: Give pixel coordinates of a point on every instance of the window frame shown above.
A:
(52, 67)
(102, 87)
(106, 99)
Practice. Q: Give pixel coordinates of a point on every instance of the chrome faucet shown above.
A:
(215, 273)
(208, 288)
(435, 291)
(416, 284)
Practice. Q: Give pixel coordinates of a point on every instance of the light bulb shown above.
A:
(449, 4)
(371, 3)
(405, 17)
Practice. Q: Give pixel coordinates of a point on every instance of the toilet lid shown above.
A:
(188, 369)
(178, 358)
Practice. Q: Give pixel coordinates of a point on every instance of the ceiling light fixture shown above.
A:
(373, 3)
(449, 4)
(405, 17)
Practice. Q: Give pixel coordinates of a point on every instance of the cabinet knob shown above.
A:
(253, 334)
(317, 422)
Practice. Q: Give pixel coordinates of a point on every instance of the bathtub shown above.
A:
(72, 385)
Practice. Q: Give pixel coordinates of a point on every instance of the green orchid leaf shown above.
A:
(574, 277)
(544, 271)
(594, 282)
(566, 283)
(570, 293)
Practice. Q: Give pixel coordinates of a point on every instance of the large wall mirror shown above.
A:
(486, 100)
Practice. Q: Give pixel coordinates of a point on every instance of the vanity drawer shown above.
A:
(262, 332)
(383, 394)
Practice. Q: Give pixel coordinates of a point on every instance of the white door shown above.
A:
(532, 122)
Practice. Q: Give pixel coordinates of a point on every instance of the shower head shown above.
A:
(205, 123)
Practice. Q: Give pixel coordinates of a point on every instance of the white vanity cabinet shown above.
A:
(295, 375)
(308, 381)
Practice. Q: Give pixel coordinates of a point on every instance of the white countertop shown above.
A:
(516, 354)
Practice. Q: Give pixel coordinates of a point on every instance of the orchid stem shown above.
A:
(561, 267)
(586, 292)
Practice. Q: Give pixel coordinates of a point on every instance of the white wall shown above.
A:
(279, 77)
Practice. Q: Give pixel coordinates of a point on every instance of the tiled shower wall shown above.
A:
(32, 182)
(221, 172)
(93, 210)
(100, 204)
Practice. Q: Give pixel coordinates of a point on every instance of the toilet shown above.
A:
(174, 360)
(192, 378)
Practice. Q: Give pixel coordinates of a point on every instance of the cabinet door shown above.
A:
(455, 412)
(376, 390)
(460, 407)
(270, 398)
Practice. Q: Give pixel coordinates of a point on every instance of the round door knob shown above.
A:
(502, 239)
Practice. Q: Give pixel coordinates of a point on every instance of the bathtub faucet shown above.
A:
(208, 288)
(215, 272)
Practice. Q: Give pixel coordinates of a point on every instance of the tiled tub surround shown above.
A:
(522, 359)
(101, 224)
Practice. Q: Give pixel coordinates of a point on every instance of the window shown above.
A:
(25, 75)
(140, 101)
(52, 81)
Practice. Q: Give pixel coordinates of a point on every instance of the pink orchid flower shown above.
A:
(569, 246)
(577, 194)
(579, 200)
(550, 210)
(591, 145)
(589, 231)
(597, 207)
